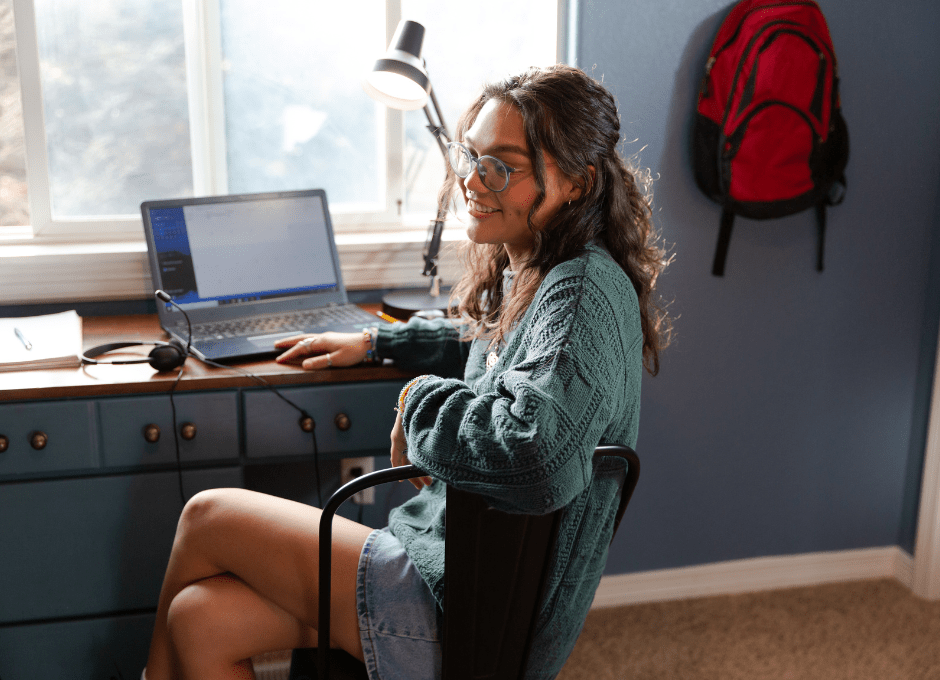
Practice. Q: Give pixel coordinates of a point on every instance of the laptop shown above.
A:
(249, 270)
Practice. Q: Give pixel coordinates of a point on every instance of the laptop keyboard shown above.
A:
(301, 322)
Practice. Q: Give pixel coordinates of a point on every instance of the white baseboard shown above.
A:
(754, 575)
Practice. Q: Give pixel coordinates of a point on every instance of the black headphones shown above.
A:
(165, 356)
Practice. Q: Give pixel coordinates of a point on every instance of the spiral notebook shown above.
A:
(46, 341)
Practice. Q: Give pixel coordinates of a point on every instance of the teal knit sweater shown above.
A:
(523, 433)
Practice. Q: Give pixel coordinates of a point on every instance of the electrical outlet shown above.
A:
(349, 469)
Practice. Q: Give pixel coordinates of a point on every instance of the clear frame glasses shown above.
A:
(493, 172)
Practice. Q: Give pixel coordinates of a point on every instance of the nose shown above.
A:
(473, 181)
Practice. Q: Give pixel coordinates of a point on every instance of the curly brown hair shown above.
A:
(574, 119)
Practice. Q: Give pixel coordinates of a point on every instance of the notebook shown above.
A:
(249, 270)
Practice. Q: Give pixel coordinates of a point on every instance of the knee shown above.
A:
(190, 620)
(202, 510)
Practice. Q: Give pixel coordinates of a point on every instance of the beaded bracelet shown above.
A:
(404, 392)
(368, 335)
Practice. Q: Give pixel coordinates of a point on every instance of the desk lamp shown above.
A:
(400, 80)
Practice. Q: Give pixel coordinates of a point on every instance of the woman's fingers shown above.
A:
(319, 362)
(300, 346)
(399, 452)
(322, 350)
(291, 341)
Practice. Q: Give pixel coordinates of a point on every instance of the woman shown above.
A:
(556, 319)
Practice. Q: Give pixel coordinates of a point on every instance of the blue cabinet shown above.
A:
(349, 419)
(92, 649)
(47, 437)
(207, 429)
(88, 510)
(91, 545)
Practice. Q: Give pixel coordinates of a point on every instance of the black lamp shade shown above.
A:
(408, 38)
(399, 78)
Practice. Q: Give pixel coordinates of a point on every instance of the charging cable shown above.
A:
(306, 420)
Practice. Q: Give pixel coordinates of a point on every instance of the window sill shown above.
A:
(41, 272)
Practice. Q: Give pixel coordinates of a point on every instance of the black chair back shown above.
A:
(500, 561)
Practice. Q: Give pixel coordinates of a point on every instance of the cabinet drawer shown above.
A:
(272, 427)
(97, 649)
(124, 420)
(68, 428)
(74, 547)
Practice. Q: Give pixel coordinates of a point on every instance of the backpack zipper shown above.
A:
(755, 9)
(816, 104)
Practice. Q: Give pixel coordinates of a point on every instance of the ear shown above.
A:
(578, 189)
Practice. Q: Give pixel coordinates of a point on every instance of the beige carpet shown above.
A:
(868, 630)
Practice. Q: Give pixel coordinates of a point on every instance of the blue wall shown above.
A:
(790, 413)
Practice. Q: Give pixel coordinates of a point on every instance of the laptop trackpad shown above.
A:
(269, 340)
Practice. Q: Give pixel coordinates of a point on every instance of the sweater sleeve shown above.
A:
(526, 440)
(426, 346)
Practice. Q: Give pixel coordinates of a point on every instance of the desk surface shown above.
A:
(104, 380)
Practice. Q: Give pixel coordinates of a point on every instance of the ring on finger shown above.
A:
(306, 342)
(329, 360)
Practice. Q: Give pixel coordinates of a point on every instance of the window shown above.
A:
(113, 79)
(295, 112)
(14, 206)
(464, 46)
(132, 100)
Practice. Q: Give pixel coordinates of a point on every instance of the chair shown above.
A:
(489, 621)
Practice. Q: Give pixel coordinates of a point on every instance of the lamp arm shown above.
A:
(439, 130)
(433, 245)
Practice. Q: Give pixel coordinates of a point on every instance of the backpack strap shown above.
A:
(724, 238)
(820, 233)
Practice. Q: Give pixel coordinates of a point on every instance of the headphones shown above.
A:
(165, 356)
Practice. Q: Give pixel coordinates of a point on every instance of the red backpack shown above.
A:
(769, 137)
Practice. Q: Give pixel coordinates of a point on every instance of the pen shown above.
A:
(26, 343)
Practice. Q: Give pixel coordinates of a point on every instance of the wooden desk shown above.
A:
(87, 519)
(98, 380)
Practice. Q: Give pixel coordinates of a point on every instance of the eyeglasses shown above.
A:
(493, 172)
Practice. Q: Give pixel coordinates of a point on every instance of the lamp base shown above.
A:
(403, 304)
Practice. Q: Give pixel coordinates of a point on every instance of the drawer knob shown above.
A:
(307, 424)
(152, 433)
(4, 443)
(38, 440)
(342, 421)
(188, 431)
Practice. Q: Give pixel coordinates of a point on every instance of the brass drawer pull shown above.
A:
(307, 424)
(38, 440)
(188, 431)
(152, 433)
(4, 443)
(342, 421)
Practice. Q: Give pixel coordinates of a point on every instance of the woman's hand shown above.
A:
(400, 452)
(315, 351)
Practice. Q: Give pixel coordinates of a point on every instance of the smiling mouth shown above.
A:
(474, 207)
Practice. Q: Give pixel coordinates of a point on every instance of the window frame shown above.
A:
(86, 250)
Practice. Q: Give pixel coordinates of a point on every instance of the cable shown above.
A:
(165, 297)
(176, 436)
(303, 414)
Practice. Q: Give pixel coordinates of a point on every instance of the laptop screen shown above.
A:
(234, 252)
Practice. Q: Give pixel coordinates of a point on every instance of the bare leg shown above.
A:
(218, 623)
(271, 545)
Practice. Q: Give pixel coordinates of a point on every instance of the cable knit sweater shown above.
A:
(523, 432)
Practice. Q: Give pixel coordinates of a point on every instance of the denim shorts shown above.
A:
(399, 621)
